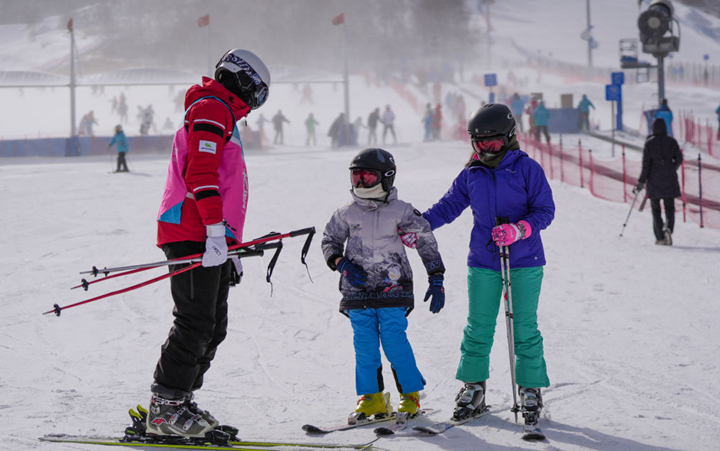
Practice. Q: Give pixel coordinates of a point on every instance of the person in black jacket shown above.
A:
(661, 159)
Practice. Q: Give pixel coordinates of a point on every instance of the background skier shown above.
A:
(541, 117)
(584, 116)
(665, 114)
(121, 142)
(661, 159)
(277, 121)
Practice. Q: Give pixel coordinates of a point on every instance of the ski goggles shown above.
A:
(367, 178)
(482, 144)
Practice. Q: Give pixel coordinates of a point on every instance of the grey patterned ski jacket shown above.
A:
(370, 228)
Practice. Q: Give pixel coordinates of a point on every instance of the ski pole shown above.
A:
(509, 322)
(244, 253)
(272, 236)
(260, 243)
(57, 309)
(631, 209)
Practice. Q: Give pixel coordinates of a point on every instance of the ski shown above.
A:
(119, 442)
(439, 428)
(312, 429)
(532, 432)
(401, 423)
(184, 443)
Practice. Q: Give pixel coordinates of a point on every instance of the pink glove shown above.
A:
(408, 239)
(507, 234)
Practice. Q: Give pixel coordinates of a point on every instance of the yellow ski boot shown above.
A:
(409, 406)
(376, 405)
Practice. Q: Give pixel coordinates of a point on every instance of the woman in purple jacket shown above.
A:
(500, 180)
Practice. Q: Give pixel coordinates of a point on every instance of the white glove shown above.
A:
(215, 246)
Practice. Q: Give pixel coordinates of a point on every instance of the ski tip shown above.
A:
(534, 436)
(382, 431)
(310, 429)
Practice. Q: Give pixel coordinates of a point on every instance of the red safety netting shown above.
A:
(614, 179)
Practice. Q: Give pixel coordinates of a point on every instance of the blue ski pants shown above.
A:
(387, 326)
(485, 292)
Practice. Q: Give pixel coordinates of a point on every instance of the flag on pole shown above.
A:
(339, 19)
(70, 25)
(204, 21)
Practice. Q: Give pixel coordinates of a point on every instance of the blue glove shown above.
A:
(436, 291)
(355, 275)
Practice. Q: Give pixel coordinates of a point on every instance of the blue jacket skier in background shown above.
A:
(584, 116)
(500, 181)
(377, 282)
(665, 114)
(541, 117)
(120, 141)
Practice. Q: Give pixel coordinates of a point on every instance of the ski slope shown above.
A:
(630, 328)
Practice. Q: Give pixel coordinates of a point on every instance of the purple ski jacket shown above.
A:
(517, 189)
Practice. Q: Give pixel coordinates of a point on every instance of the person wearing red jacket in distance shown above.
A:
(202, 211)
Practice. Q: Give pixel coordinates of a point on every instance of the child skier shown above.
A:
(376, 281)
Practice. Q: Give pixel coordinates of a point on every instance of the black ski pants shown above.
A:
(201, 316)
(121, 163)
(658, 225)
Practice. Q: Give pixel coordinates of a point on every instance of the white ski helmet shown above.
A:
(244, 74)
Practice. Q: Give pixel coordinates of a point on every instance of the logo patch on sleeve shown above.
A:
(208, 147)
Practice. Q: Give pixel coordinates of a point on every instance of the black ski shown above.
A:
(532, 432)
(312, 429)
(439, 428)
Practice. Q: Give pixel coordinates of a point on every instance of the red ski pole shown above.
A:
(57, 309)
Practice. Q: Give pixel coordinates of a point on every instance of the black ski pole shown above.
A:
(509, 320)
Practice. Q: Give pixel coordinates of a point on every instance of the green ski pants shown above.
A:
(485, 292)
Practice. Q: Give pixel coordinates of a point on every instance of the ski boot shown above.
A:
(470, 400)
(409, 406)
(207, 416)
(376, 405)
(173, 417)
(531, 407)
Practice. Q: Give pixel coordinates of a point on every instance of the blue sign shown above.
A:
(612, 92)
(706, 57)
(490, 80)
(618, 78)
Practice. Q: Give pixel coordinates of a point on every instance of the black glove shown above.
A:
(355, 275)
(436, 291)
(639, 187)
(236, 271)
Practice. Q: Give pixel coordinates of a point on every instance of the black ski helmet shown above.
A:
(492, 119)
(377, 160)
(244, 74)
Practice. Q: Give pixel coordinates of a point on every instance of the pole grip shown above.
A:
(305, 231)
(499, 220)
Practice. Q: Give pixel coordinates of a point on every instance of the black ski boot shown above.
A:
(531, 407)
(470, 400)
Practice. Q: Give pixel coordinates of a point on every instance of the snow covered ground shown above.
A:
(631, 329)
